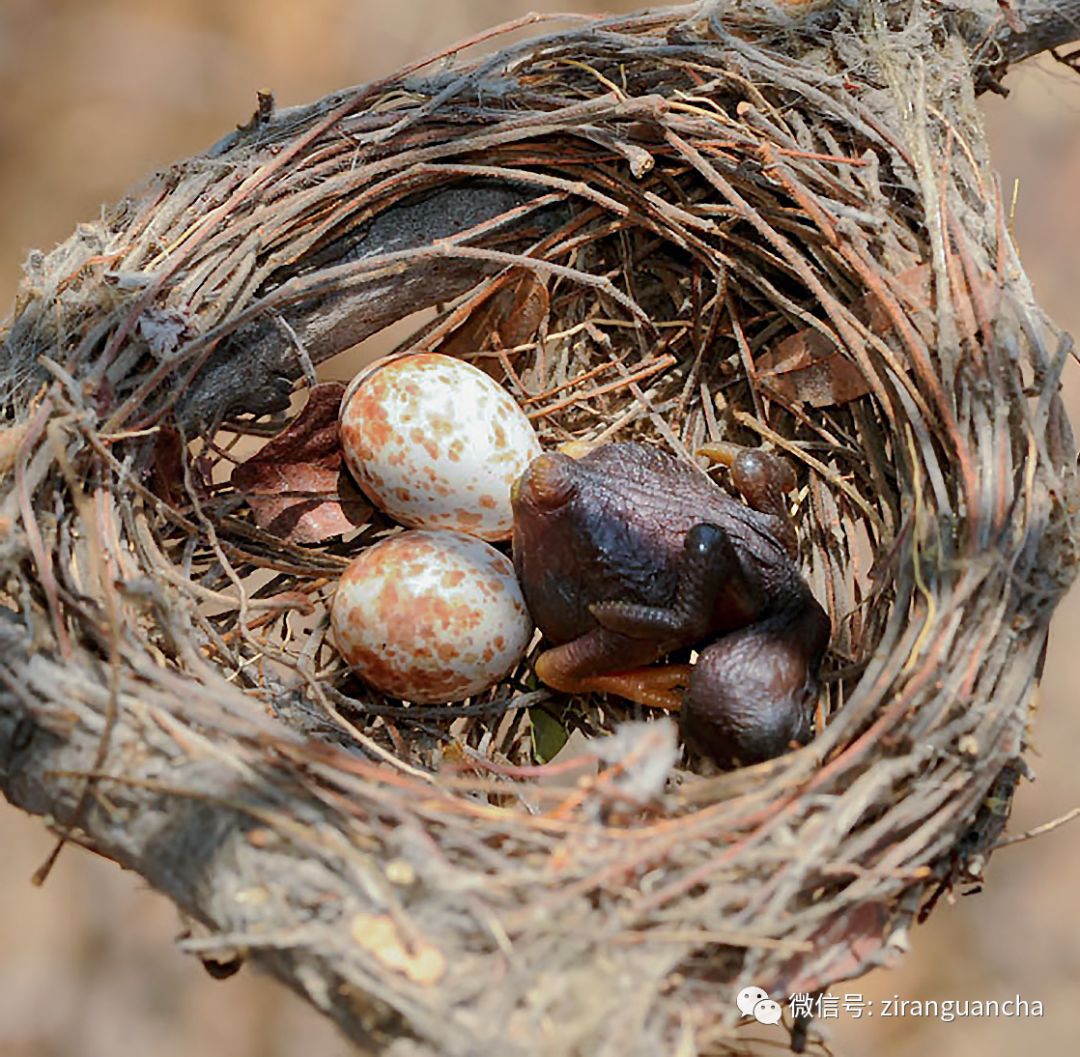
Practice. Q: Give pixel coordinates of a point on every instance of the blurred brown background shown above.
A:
(95, 95)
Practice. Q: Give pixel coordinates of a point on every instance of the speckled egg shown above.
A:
(436, 443)
(431, 616)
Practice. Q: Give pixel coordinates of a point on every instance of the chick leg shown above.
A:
(604, 661)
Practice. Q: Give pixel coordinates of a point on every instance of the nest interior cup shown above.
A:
(645, 229)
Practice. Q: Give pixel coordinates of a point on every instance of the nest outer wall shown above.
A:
(693, 195)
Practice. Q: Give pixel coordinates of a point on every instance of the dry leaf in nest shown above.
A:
(173, 471)
(854, 937)
(166, 475)
(297, 486)
(508, 318)
(808, 367)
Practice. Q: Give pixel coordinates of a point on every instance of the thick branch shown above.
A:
(198, 829)
(260, 361)
(1038, 26)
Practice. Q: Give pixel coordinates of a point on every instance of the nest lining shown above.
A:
(685, 201)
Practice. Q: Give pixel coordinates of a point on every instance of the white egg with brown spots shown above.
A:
(431, 616)
(435, 443)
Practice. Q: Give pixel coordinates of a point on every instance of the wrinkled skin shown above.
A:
(627, 554)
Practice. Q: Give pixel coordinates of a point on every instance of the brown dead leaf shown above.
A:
(297, 485)
(166, 472)
(912, 290)
(854, 937)
(167, 469)
(511, 316)
(808, 367)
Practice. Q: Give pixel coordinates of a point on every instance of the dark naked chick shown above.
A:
(627, 554)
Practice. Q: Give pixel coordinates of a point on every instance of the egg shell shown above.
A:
(436, 443)
(431, 616)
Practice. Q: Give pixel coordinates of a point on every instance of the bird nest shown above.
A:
(675, 232)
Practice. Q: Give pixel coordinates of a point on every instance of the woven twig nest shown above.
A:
(649, 229)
